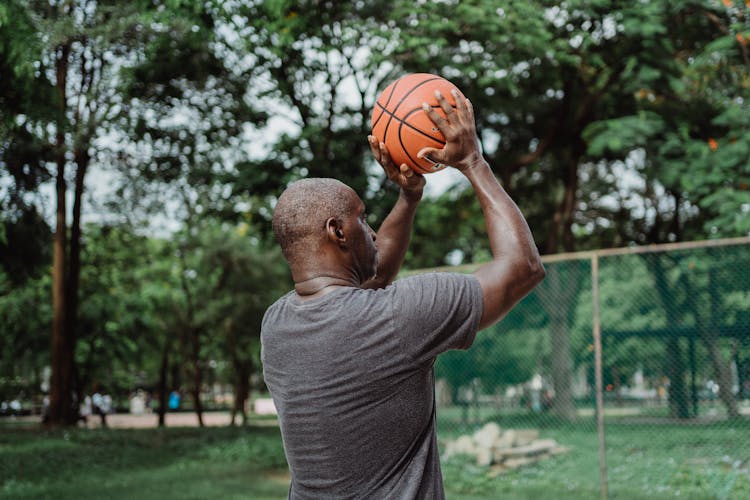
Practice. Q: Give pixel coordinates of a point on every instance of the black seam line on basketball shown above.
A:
(404, 122)
(385, 132)
(390, 117)
(393, 90)
(401, 141)
(407, 115)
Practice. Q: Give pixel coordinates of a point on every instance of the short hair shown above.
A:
(302, 211)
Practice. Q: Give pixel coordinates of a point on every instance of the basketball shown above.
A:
(399, 121)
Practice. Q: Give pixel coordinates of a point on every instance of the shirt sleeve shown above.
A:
(436, 312)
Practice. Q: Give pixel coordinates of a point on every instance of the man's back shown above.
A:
(351, 375)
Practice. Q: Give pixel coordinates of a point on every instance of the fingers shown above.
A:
(431, 154)
(440, 122)
(411, 180)
(460, 113)
(404, 176)
(380, 152)
(463, 106)
(469, 110)
(449, 110)
(374, 147)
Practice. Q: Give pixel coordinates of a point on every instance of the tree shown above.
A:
(79, 49)
(694, 148)
(577, 83)
(117, 320)
(24, 342)
(250, 277)
(318, 66)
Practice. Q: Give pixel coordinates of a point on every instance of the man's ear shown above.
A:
(335, 232)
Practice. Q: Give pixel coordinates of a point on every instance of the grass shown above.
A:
(650, 462)
(643, 462)
(149, 464)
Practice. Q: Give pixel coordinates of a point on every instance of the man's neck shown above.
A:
(320, 285)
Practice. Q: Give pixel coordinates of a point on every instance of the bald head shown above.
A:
(300, 216)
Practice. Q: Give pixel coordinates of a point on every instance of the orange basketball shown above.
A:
(399, 121)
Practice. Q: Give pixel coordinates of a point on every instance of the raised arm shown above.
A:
(516, 267)
(395, 232)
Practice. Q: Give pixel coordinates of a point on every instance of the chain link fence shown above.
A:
(626, 373)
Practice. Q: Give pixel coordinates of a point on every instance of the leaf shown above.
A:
(620, 135)
(733, 117)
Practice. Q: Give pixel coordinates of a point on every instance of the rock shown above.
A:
(486, 436)
(484, 456)
(500, 454)
(506, 440)
(536, 448)
(464, 445)
(526, 436)
(558, 450)
(503, 451)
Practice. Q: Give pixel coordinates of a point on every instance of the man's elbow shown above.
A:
(536, 272)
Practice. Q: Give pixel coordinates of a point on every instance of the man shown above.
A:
(348, 355)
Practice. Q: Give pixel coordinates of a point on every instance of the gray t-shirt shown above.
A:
(352, 379)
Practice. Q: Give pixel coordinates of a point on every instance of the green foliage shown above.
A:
(611, 123)
(26, 313)
(232, 277)
(24, 249)
(621, 135)
(706, 288)
(306, 55)
(116, 319)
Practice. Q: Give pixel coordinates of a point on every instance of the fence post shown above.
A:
(598, 376)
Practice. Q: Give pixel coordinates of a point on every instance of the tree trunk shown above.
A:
(62, 410)
(196, 371)
(562, 370)
(558, 294)
(192, 341)
(723, 375)
(241, 389)
(710, 334)
(74, 274)
(197, 381)
(162, 387)
(74, 270)
(568, 203)
(242, 370)
(679, 400)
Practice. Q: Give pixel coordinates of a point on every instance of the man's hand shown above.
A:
(395, 231)
(462, 149)
(516, 267)
(407, 179)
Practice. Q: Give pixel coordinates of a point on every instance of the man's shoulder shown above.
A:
(434, 278)
(436, 290)
(276, 306)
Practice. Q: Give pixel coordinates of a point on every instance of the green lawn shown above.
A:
(147, 464)
(644, 461)
(660, 461)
